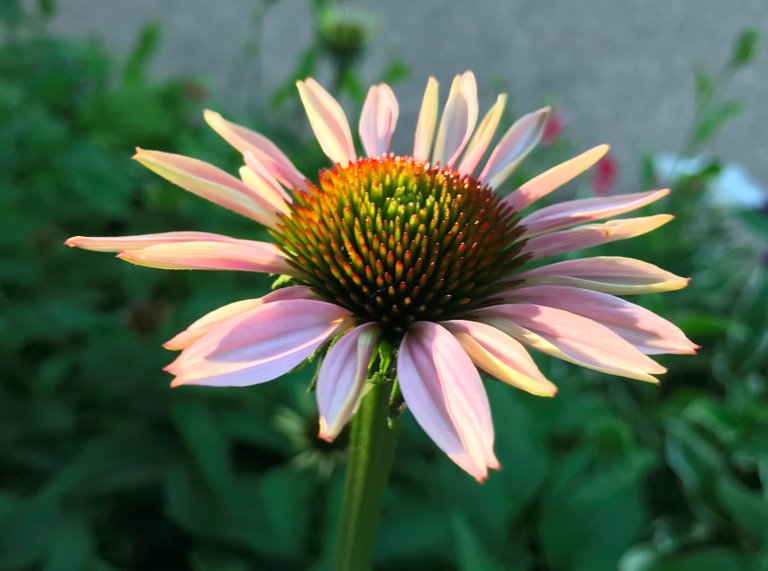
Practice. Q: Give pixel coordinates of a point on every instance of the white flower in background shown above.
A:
(734, 188)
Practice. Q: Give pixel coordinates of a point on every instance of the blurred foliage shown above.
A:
(102, 467)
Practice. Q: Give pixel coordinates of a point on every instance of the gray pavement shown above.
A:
(620, 70)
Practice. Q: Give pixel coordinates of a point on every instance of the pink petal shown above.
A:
(256, 177)
(482, 137)
(341, 377)
(210, 183)
(443, 390)
(648, 332)
(242, 255)
(259, 345)
(267, 153)
(571, 337)
(593, 235)
(514, 146)
(609, 274)
(555, 177)
(141, 241)
(218, 316)
(501, 356)
(328, 122)
(575, 212)
(378, 119)
(458, 120)
(425, 126)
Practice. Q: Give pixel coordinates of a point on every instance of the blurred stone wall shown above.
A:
(620, 70)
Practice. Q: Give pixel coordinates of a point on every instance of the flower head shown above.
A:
(412, 262)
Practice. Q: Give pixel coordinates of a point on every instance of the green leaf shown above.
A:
(200, 432)
(471, 554)
(756, 221)
(705, 86)
(593, 512)
(714, 121)
(744, 48)
(703, 559)
(72, 545)
(396, 71)
(207, 560)
(142, 53)
(749, 509)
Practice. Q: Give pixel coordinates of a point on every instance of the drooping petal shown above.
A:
(593, 234)
(378, 120)
(241, 255)
(571, 337)
(574, 212)
(446, 396)
(482, 137)
(245, 140)
(259, 345)
(140, 241)
(425, 125)
(609, 274)
(648, 332)
(328, 122)
(209, 182)
(341, 377)
(501, 356)
(256, 177)
(541, 185)
(458, 120)
(514, 146)
(218, 316)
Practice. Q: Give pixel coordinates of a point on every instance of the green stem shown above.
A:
(371, 450)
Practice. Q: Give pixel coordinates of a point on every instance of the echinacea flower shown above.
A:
(417, 252)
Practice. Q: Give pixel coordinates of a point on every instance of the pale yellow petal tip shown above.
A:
(601, 150)
(553, 394)
(173, 345)
(140, 154)
(211, 115)
(324, 433)
(74, 241)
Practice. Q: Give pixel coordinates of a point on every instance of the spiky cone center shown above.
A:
(396, 240)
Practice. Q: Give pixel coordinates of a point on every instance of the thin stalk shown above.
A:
(371, 450)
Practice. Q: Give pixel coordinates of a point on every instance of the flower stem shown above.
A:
(371, 450)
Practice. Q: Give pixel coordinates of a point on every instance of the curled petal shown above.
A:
(328, 122)
(458, 120)
(609, 274)
(648, 332)
(482, 137)
(259, 345)
(425, 125)
(593, 235)
(514, 146)
(267, 153)
(541, 185)
(232, 310)
(140, 241)
(241, 255)
(571, 337)
(378, 120)
(209, 182)
(443, 390)
(501, 356)
(573, 212)
(341, 377)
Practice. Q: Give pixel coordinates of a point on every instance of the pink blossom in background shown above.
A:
(554, 128)
(604, 176)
